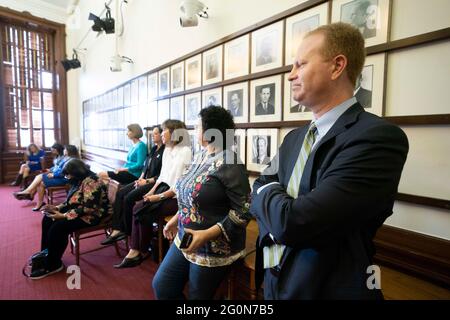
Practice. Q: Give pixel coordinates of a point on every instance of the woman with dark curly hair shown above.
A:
(213, 207)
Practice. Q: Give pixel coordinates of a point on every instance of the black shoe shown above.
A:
(130, 262)
(22, 196)
(42, 273)
(39, 208)
(110, 240)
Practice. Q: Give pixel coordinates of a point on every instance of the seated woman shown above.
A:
(135, 159)
(31, 164)
(161, 198)
(127, 196)
(86, 204)
(53, 178)
(213, 206)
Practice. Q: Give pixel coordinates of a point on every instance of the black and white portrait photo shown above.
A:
(177, 108)
(267, 47)
(193, 72)
(177, 73)
(265, 50)
(236, 57)
(371, 17)
(261, 149)
(234, 102)
(192, 106)
(152, 86)
(363, 15)
(164, 82)
(264, 95)
(265, 99)
(300, 28)
(212, 97)
(212, 65)
(363, 88)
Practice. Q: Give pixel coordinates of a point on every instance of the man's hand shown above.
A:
(50, 175)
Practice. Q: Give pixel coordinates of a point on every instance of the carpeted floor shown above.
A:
(20, 232)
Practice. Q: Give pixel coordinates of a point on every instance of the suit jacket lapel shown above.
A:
(343, 122)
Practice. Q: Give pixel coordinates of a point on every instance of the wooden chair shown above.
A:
(52, 191)
(162, 220)
(104, 228)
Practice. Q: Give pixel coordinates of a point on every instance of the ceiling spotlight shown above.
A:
(73, 63)
(106, 24)
(190, 10)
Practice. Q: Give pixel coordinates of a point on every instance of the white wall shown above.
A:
(417, 81)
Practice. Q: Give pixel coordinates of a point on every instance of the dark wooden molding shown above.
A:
(419, 254)
(27, 19)
(425, 201)
(430, 119)
(409, 42)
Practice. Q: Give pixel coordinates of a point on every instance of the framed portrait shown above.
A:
(127, 95)
(239, 145)
(163, 77)
(265, 99)
(114, 98)
(177, 108)
(212, 97)
(134, 92)
(163, 110)
(193, 138)
(300, 24)
(235, 99)
(212, 65)
(153, 113)
(177, 77)
(120, 96)
(192, 105)
(369, 16)
(143, 89)
(292, 110)
(152, 86)
(236, 57)
(267, 47)
(262, 146)
(194, 72)
(370, 84)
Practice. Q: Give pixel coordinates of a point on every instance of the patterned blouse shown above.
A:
(89, 201)
(214, 192)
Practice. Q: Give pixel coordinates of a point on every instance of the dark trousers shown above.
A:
(123, 177)
(55, 237)
(176, 270)
(126, 198)
(141, 237)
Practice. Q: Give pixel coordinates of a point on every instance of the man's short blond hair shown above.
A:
(343, 38)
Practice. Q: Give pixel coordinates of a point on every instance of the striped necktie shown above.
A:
(273, 253)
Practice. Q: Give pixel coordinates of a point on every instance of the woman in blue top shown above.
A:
(53, 178)
(32, 163)
(132, 169)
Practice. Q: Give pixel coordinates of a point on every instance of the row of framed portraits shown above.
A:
(267, 48)
(267, 99)
(254, 147)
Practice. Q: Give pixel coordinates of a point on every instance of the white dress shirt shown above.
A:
(174, 162)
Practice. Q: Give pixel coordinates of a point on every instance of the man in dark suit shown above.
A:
(335, 183)
(264, 107)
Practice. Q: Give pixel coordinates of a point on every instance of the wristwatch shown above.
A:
(161, 196)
